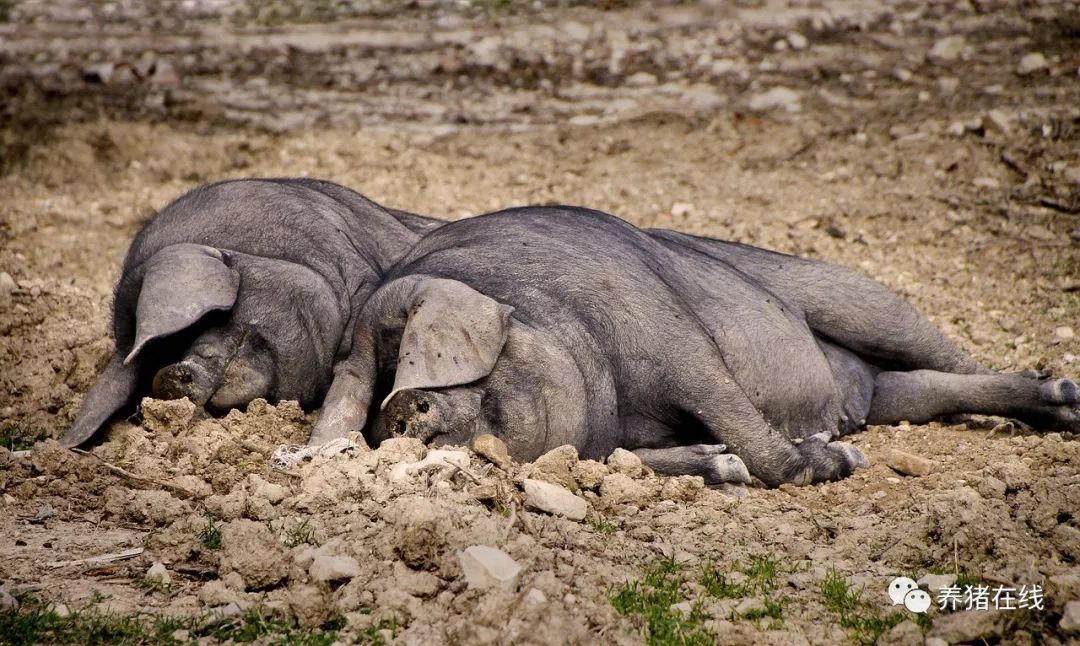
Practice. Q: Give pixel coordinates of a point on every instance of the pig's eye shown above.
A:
(422, 407)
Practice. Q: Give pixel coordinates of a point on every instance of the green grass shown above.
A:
(759, 579)
(602, 526)
(865, 620)
(300, 534)
(210, 536)
(20, 436)
(36, 623)
(651, 599)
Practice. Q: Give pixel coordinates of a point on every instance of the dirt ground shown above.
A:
(933, 146)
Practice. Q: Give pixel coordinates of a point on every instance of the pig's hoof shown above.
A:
(727, 467)
(1062, 392)
(707, 449)
(851, 454)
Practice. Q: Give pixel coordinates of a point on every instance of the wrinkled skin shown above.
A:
(244, 289)
(558, 325)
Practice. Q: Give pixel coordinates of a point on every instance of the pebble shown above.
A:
(555, 466)
(7, 286)
(1031, 63)
(535, 596)
(327, 567)
(908, 463)
(997, 121)
(777, 97)
(681, 209)
(158, 574)
(1070, 618)
(947, 49)
(396, 449)
(1064, 332)
(493, 450)
(553, 499)
(623, 461)
(797, 40)
(487, 567)
(749, 605)
(986, 182)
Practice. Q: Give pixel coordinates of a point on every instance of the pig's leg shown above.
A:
(710, 461)
(921, 395)
(726, 413)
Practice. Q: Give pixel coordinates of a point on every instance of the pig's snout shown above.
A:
(184, 379)
(411, 413)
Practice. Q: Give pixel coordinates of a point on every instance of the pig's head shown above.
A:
(461, 365)
(219, 327)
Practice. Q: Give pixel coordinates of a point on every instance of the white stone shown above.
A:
(327, 567)
(1064, 332)
(947, 49)
(487, 567)
(797, 40)
(1070, 618)
(159, 574)
(553, 499)
(535, 596)
(777, 97)
(1031, 63)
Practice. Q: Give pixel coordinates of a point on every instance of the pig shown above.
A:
(547, 326)
(244, 289)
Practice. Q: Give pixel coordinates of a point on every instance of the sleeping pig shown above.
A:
(558, 325)
(244, 289)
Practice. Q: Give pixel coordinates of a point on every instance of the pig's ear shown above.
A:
(182, 283)
(112, 390)
(453, 336)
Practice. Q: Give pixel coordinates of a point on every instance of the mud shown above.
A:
(935, 167)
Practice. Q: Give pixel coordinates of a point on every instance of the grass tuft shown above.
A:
(210, 536)
(865, 621)
(652, 599)
(20, 436)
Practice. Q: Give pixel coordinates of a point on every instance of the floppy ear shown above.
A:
(453, 336)
(112, 390)
(181, 284)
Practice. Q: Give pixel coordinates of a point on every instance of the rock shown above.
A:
(683, 607)
(1064, 332)
(1071, 174)
(997, 121)
(935, 582)
(1070, 618)
(623, 461)
(589, 473)
(641, 79)
(683, 488)
(535, 596)
(947, 49)
(553, 499)
(777, 97)
(748, 605)
(250, 549)
(493, 450)
(908, 463)
(328, 567)
(935, 641)
(555, 466)
(486, 567)
(1031, 63)
(619, 488)
(986, 182)
(165, 74)
(217, 593)
(797, 40)
(967, 626)
(905, 633)
(681, 209)
(168, 416)
(310, 604)
(157, 574)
